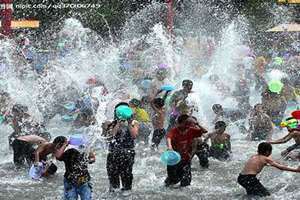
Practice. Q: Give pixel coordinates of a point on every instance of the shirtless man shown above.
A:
(47, 148)
(158, 120)
(254, 166)
(23, 147)
(293, 133)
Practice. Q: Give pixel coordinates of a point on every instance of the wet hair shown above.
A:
(220, 124)
(264, 148)
(217, 107)
(135, 102)
(59, 140)
(187, 82)
(182, 118)
(159, 102)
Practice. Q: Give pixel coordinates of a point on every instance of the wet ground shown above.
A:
(217, 182)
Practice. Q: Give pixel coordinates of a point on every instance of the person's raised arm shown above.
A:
(37, 153)
(169, 143)
(281, 167)
(134, 128)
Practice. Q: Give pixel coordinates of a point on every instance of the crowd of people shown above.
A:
(161, 115)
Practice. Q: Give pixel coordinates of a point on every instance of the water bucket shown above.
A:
(275, 86)
(170, 158)
(36, 172)
(167, 87)
(124, 112)
(77, 140)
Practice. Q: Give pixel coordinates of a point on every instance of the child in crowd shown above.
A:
(120, 158)
(180, 139)
(141, 115)
(254, 166)
(158, 120)
(220, 142)
(76, 177)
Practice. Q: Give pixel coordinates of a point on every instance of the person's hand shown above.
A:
(36, 164)
(170, 149)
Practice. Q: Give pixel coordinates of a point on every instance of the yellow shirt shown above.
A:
(141, 115)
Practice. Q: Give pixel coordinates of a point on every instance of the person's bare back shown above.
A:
(158, 119)
(254, 165)
(33, 139)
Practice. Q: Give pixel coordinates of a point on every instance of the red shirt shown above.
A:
(182, 143)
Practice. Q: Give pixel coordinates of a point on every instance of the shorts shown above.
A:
(252, 185)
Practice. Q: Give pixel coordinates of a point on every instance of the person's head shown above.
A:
(187, 85)
(258, 107)
(192, 121)
(59, 141)
(220, 126)
(134, 103)
(217, 108)
(260, 63)
(159, 102)
(161, 73)
(264, 149)
(181, 122)
(144, 100)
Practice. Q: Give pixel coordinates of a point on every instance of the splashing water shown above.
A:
(80, 54)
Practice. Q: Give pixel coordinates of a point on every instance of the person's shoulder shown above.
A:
(227, 135)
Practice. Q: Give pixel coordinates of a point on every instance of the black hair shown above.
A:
(59, 140)
(182, 118)
(217, 107)
(289, 118)
(264, 148)
(52, 169)
(159, 102)
(135, 102)
(220, 124)
(187, 82)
